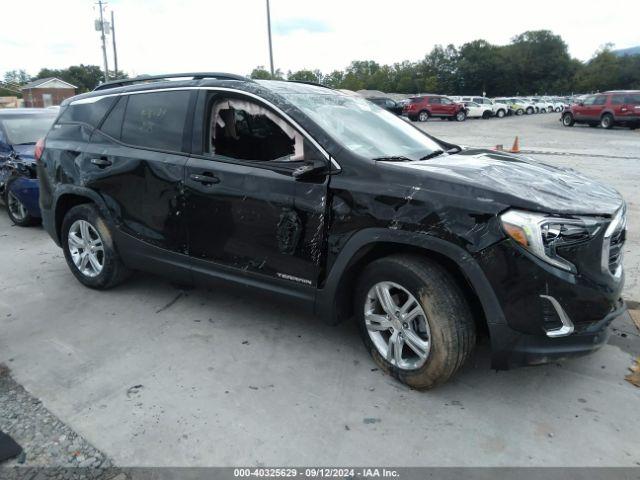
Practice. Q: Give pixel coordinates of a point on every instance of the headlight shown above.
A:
(542, 235)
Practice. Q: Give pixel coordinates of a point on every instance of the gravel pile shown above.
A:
(46, 441)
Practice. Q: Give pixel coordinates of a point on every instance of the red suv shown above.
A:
(421, 108)
(619, 107)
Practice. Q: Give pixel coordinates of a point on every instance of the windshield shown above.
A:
(26, 129)
(363, 127)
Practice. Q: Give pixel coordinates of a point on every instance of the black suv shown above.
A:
(330, 200)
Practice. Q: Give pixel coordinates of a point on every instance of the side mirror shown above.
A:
(310, 170)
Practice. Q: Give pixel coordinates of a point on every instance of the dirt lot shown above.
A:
(150, 374)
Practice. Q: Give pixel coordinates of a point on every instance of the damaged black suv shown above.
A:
(330, 200)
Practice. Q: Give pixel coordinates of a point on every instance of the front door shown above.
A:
(245, 211)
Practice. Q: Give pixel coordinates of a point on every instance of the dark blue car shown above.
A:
(20, 129)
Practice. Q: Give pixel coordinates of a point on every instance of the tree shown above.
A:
(261, 73)
(314, 76)
(16, 77)
(84, 77)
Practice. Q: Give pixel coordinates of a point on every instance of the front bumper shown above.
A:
(513, 349)
(547, 313)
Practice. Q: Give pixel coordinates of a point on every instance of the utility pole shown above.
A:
(115, 50)
(270, 46)
(104, 45)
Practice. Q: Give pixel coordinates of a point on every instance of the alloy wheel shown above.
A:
(423, 117)
(17, 209)
(397, 325)
(86, 248)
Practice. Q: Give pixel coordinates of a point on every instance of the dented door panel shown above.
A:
(247, 219)
(141, 188)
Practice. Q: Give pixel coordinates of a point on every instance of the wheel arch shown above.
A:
(71, 197)
(333, 301)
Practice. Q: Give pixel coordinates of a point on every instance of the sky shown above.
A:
(160, 36)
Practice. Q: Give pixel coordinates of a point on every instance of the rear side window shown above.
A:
(617, 100)
(415, 100)
(156, 120)
(632, 99)
(112, 125)
(88, 113)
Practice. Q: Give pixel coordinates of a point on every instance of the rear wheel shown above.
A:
(16, 210)
(567, 120)
(88, 247)
(530, 110)
(519, 111)
(606, 121)
(500, 113)
(414, 320)
(486, 114)
(423, 116)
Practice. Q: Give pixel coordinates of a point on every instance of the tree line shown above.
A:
(534, 63)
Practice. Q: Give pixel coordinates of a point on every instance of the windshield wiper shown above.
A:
(393, 158)
(433, 154)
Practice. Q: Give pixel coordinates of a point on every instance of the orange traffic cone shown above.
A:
(516, 146)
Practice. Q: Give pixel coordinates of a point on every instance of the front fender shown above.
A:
(326, 305)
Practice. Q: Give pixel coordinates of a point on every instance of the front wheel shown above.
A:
(530, 111)
(414, 320)
(606, 121)
(89, 250)
(567, 120)
(461, 116)
(519, 111)
(500, 113)
(16, 210)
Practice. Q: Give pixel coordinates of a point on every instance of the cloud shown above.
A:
(291, 25)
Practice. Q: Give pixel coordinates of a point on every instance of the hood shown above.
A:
(26, 153)
(522, 182)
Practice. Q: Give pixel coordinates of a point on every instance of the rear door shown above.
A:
(136, 161)
(245, 211)
(435, 106)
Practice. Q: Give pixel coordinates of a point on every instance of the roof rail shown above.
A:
(149, 78)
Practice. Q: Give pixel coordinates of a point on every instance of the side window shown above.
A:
(633, 99)
(446, 101)
(600, 100)
(112, 125)
(617, 100)
(478, 100)
(390, 103)
(435, 100)
(156, 120)
(87, 113)
(245, 130)
(589, 100)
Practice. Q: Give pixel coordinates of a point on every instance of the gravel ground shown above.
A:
(45, 440)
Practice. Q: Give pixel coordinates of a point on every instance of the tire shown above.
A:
(461, 116)
(500, 113)
(558, 110)
(519, 111)
(530, 110)
(544, 110)
(606, 121)
(486, 114)
(567, 120)
(423, 116)
(443, 326)
(16, 211)
(86, 222)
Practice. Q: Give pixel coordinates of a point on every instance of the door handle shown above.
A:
(205, 178)
(101, 162)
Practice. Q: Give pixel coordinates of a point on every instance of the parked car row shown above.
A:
(423, 107)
